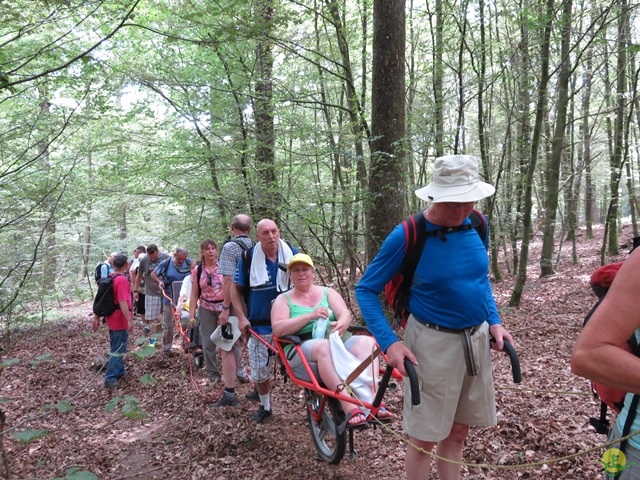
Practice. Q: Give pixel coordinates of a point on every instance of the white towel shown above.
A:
(258, 275)
(345, 363)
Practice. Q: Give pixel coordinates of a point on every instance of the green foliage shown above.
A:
(28, 436)
(44, 357)
(9, 362)
(75, 473)
(63, 406)
(144, 352)
(130, 407)
(147, 379)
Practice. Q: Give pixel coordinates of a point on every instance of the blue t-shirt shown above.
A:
(451, 286)
(260, 298)
(173, 274)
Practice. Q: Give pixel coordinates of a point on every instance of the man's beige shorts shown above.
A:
(447, 393)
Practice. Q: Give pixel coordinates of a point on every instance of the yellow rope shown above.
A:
(536, 390)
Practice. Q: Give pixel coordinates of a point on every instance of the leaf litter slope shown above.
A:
(545, 417)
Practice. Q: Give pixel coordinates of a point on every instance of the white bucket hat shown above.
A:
(225, 336)
(455, 179)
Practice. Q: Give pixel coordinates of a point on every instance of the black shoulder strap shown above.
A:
(244, 246)
(199, 276)
(166, 266)
(415, 236)
(631, 415)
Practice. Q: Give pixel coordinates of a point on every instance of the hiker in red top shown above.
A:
(119, 322)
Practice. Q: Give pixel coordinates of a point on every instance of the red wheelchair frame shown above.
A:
(327, 421)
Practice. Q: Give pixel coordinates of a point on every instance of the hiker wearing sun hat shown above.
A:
(453, 315)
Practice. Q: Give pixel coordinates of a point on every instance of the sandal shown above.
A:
(356, 418)
(383, 416)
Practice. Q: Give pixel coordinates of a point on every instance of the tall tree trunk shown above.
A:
(459, 141)
(438, 79)
(523, 140)
(49, 261)
(558, 146)
(387, 121)
(354, 103)
(584, 155)
(521, 279)
(617, 158)
(263, 112)
(482, 138)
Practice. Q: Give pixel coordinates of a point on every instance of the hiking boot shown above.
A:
(261, 415)
(226, 401)
(242, 378)
(146, 330)
(198, 360)
(253, 396)
(167, 354)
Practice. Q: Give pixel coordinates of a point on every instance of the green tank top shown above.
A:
(297, 310)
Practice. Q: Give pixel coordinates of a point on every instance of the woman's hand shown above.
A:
(320, 312)
(341, 325)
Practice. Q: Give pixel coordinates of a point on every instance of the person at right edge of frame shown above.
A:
(453, 316)
(599, 355)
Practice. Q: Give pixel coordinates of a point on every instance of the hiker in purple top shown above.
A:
(453, 318)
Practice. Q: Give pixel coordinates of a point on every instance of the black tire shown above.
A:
(330, 444)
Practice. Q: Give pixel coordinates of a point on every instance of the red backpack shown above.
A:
(612, 398)
(398, 289)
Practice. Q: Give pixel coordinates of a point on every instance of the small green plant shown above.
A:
(75, 473)
(10, 362)
(144, 352)
(45, 357)
(130, 407)
(147, 379)
(28, 436)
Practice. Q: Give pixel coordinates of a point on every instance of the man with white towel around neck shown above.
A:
(259, 276)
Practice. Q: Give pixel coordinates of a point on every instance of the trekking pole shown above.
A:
(515, 362)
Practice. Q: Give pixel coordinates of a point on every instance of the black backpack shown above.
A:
(97, 275)
(104, 304)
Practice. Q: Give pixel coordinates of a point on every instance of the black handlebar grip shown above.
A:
(413, 381)
(515, 362)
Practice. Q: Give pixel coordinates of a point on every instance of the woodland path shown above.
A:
(544, 417)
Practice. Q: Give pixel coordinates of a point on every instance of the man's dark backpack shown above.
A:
(104, 304)
(98, 273)
(398, 289)
(612, 398)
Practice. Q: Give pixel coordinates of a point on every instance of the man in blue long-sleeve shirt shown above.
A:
(453, 316)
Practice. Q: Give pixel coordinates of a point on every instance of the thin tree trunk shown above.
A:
(521, 278)
(438, 79)
(558, 146)
(617, 159)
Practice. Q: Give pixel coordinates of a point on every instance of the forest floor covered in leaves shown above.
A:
(53, 389)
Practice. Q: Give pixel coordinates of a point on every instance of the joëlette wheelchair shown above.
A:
(327, 421)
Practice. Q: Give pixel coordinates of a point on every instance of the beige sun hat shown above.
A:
(455, 179)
